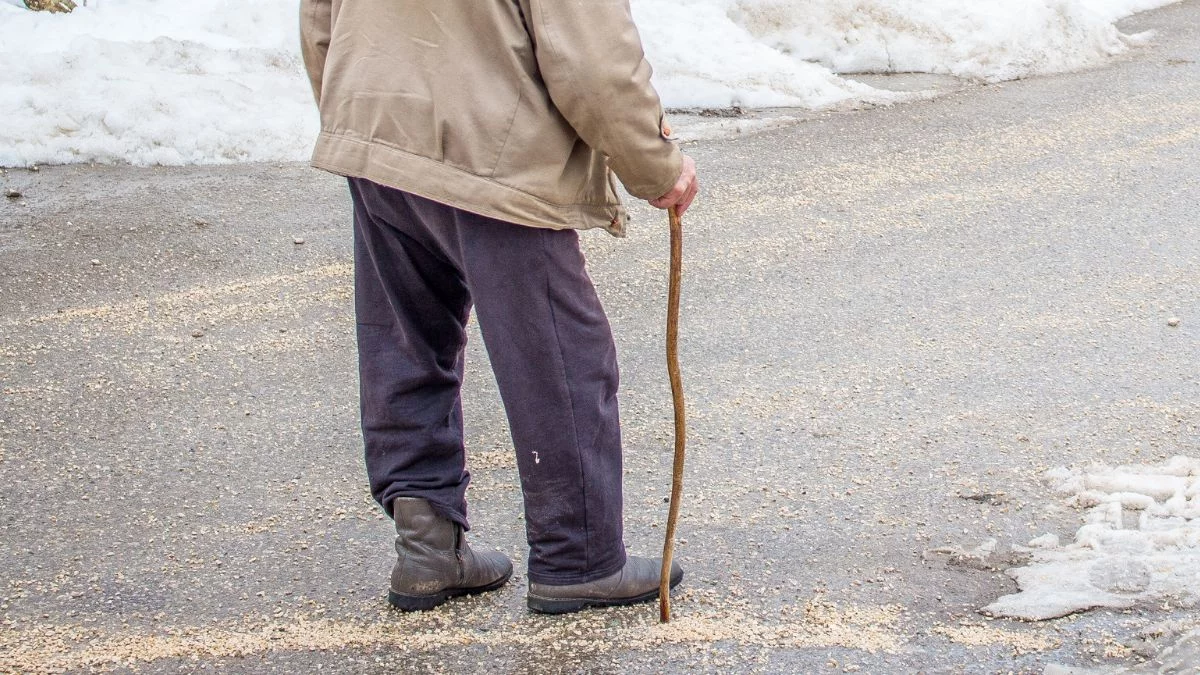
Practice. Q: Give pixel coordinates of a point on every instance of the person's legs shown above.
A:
(419, 265)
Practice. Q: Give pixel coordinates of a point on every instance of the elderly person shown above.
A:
(478, 136)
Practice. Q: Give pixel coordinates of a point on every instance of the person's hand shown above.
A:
(685, 189)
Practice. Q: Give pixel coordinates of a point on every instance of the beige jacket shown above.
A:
(513, 109)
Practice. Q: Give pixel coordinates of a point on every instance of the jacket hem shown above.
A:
(442, 183)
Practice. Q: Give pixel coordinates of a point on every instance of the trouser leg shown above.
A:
(552, 352)
(411, 307)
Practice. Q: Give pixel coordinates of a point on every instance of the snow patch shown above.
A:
(153, 83)
(1140, 544)
(213, 81)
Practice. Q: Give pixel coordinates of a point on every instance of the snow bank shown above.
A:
(990, 40)
(153, 83)
(1140, 544)
(156, 82)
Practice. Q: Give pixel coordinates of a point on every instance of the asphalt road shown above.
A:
(894, 320)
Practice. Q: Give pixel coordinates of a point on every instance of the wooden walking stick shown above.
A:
(664, 584)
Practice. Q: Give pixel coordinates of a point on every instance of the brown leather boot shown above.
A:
(636, 582)
(434, 562)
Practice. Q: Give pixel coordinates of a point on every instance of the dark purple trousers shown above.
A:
(419, 267)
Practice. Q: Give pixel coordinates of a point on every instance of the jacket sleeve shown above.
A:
(316, 26)
(591, 59)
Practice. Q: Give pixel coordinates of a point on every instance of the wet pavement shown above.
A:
(894, 321)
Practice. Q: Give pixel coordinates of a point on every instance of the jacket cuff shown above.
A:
(660, 171)
(658, 164)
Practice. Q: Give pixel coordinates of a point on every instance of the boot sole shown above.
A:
(568, 605)
(421, 603)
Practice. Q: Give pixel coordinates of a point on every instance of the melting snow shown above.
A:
(1140, 544)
